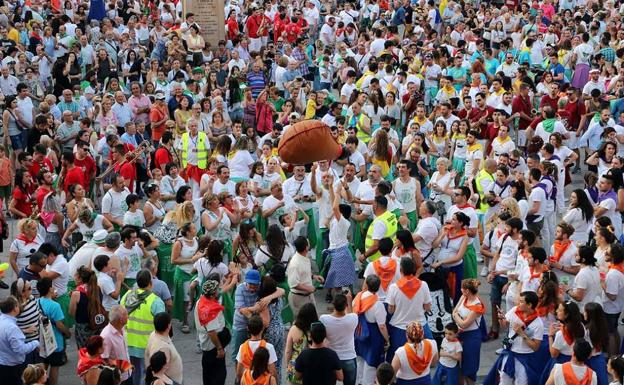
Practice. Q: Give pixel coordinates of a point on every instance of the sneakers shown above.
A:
(484, 271)
(479, 258)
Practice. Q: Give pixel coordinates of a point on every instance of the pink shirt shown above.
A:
(140, 102)
(115, 347)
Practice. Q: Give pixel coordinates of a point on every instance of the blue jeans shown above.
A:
(138, 372)
(238, 337)
(349, 370)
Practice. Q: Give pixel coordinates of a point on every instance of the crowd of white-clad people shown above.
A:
(142, 194)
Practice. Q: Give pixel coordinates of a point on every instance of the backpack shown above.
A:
(99, 318)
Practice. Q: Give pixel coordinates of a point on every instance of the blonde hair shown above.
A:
(184, 213)
(512, 208)
(22, 224)
(33, 373)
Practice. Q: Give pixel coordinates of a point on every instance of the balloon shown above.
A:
(308, 141)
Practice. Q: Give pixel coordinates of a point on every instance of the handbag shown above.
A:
(225, 337)
(47, 341)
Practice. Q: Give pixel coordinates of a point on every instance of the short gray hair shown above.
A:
(116, 313)
(113, 240)
(148, 264)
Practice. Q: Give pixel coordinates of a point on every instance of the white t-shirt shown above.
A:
(340, 334)
(405, 371)
(451, 348)
(545, 135)
(134, 218)
(107, 286)
(61, 267)
(114, 203)
(614, 286)
(538, 195)
(338, 232)
(134, 256)
(588, 278)
(262, 255)
(428, 229)
(469, 211)
(240, 164)
(579, 371)
(204, 269)
(270, 202)
(508, 254)
(370, 270)
(535, 330)
(229, 187)
(406, 309)
(254, 345)
(24, 250)
(568, 258)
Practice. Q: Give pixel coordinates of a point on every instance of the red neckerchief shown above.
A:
(537, 275)
(543, 311)
(361, 305)
(619, 267)
(208, 309)
(526, 320)
(569, 339)
(570, 377)
(478, 308)
(461, 207)
(459, 234)
(409, 286)
(560, 248)
(22, 237)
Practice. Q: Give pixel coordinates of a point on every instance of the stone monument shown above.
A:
(209, 14)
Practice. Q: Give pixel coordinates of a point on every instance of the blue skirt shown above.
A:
(561, 359)
(492, 377)
(371, 350)
(471, 342)
(398, 339)
(542, 355)
(341, 269)
(424, 380)
(598, 364)
(454, 277)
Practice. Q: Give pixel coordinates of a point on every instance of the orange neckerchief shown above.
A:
(560, 248)
(526, 320)
(479, 308)
(524, 253)
(247, 353)
(569, 339)
(537, 275)
(543, 311)
(459, 234)
(619, 267)
(360, 305)
(409, 286)
(571, 379)
(248, 379)
(419, 363)
(386, 273)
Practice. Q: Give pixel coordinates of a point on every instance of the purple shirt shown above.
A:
(115, 347)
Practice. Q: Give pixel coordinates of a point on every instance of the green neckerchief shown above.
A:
(549, 125)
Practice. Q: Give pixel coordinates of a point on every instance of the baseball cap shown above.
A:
(253, 277)
(594, 70)
(159, 96)
(99, 236)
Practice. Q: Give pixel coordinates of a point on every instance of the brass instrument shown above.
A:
(129, 157)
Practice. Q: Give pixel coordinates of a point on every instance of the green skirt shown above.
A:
(227, 250)
(180, 277)
(311, 227)
(63, 300)
(261, 225)
(470, 262)
(359, 234)
(165, 268)
(319, 249)
(459, 165)
(287, 313)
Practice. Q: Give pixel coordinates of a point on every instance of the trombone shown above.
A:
(130, 157)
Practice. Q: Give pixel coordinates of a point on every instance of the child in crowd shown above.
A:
(134, 216)
(447, 372)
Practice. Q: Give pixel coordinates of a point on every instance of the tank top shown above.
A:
(187, 253)
(157, 212)
(406, 194)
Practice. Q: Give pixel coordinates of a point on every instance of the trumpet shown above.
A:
(534, 112)
(130, 157)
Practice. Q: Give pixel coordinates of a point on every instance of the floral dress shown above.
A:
(290, 368)
(274, 334)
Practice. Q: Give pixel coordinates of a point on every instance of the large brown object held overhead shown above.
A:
(308, 141)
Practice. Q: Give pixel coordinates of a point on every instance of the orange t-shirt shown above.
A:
(5, 174)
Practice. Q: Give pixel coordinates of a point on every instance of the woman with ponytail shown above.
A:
(259, 373)
(468, 315)
(561, 336)
(155, 372)
(548, 294)
(412, 362)
(597, 329)
(616, 369)
(85, 306)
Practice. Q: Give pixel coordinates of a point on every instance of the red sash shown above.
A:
(569, 339)
(360, 305)
(247, 353)
(419, 363)
(543, 311)
(386, 273)
(409, 286)
(560, 248)
(570, 377)
(248, 379)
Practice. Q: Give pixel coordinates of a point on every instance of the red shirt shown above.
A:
(128, 171)
(253, 24)
(476, 114)
(36, 167)
(40, 194)
(547, 100)
(75, 175)
(162, 157)
(232, 25)
(87, 165)
(279, 26)
(293, 31)
(22, 201)
(156, 115)
(520, 104)
(575, 111)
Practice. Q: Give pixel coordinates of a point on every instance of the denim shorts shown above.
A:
(496, 293)
(18, 142)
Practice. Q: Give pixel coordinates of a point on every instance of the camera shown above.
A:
(440, 209)
(507, 342)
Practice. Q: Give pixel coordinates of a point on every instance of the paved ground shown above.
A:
(186, 343)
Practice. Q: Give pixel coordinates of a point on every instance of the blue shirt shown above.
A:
(243, 298)
(53, 311)
(13, 345)
(123, 112)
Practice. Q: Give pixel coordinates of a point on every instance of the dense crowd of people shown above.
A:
(139, 167)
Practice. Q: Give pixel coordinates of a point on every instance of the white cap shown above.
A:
(99, 236)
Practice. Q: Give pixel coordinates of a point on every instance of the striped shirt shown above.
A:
(256, 81)
(28, 317)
